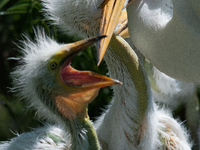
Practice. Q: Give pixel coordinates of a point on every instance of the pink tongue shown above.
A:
(74, 77)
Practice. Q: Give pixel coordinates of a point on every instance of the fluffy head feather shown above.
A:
(81, 17)
(31, 77)
(45, 138)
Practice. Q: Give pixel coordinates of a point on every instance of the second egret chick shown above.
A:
(133, 121)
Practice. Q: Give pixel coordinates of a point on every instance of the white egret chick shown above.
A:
(59, 93)
(133, 121)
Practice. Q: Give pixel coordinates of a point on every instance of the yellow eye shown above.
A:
(53, 65)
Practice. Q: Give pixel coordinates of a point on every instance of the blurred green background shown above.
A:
(16, 18)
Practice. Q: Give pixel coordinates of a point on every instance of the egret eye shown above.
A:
(53, 65)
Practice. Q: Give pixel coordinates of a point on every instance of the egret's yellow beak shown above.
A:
(122, 26)
(75, 81)
(111, 10)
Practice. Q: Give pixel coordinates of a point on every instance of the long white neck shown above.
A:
(132, 101)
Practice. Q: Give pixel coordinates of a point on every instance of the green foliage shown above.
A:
(3, 2)
(21, 7)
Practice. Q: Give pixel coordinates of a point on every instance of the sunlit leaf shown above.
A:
(3, 2)
(20, 7)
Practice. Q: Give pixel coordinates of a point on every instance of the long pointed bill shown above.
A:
(109, 19)
(84, 79)
(74, 48)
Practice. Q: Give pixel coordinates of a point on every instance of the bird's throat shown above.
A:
(81, 128)
(71, 109)
(74, 106)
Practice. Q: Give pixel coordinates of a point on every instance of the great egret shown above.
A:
(59, 93)
(167, 33)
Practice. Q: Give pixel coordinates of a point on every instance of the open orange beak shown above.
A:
(79, 87)
(80, 79)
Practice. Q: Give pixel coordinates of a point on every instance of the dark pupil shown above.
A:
(53, 65)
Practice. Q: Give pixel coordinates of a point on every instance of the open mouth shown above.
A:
(73, 77)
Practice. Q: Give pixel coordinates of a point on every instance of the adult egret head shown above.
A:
(57, 91)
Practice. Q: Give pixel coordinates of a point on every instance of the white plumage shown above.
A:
(85, 24)
(167, 33)
(123, 126)
(80, 17)
(165, 89)
(170, 91)
(32, 66)
(132, 121)
(173, 94)
(49, 137)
